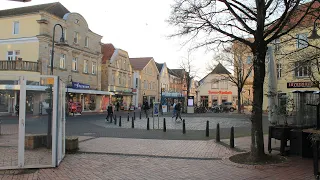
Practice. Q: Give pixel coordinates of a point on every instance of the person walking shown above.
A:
(146, 108)
(178, 111)
(110, 112)
(174, 110)
(118, 105)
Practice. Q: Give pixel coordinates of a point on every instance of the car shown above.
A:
(228, 106)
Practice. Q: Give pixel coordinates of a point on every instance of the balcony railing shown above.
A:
(19, 65)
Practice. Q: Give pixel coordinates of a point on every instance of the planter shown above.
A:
(72, 144)
(281, 133)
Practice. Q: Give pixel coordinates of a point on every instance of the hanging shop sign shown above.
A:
(219, 92)
(299, 84)
(77, 85)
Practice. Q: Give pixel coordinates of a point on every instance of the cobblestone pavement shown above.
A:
(106, 165)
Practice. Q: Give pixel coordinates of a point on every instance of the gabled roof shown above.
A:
(140, 63)
(55, 8)
(159, 66)
(107, 51)
(220, 69)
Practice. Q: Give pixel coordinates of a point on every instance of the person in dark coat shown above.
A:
(146, 108)
(110, 112)
(118, 106)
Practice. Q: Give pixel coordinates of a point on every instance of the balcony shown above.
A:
(19, 65)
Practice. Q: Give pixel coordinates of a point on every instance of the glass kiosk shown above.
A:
(190, 105)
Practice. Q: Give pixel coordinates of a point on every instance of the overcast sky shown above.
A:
(137, 26)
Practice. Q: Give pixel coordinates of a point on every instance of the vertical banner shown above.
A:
(156, 108)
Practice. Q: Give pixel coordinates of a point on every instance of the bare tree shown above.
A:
(238, 59)
(221, 21)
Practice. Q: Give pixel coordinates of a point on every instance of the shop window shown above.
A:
(224, 99)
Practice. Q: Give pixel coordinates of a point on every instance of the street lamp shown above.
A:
(314, 34)
(49, 110)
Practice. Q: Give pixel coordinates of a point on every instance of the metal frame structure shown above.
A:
(58, 124)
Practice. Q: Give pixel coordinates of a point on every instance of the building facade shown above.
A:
(117, 76)
(26, 48)
(145, 81)
(215, 88)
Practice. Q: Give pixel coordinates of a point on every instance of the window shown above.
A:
(302, 40)
(74, 64)
(13, 55)
(86, 44)
(224, 84)
(85, 66)
(65, 34)
(302, 70)
(94, 67)
(16, 27)
(214, 84)
(62, 61)
(76, 37)
(50, 55)
(276, 44)
(145, 84)
(249, 60)
(76, 21)
(279, 68)
(113, 77)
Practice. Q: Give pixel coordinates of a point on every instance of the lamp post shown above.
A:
(49, 110)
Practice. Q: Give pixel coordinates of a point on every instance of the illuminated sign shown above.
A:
(299, 84)
(219, 92)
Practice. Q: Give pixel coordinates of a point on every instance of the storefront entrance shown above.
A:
(204, 101)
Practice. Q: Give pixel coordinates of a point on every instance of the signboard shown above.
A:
(299, 84)
(77, 85)
(156, 108)
(190, 101)
(219, 92)
(50, 80)
(164, 108)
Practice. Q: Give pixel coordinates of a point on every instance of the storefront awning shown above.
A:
(43, 88)
(85, 91)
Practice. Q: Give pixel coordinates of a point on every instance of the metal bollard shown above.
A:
(218, 133)
(232, 137)
(183, 126)
(115, 119)
(132, 124)
(140, 114)
(134, 115)
(164, 125)
(128, 118)
(120, 121)
(148, 125)
(207, 129)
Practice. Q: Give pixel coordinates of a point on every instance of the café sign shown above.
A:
(220, 92)
(77, 85)
(299, 84)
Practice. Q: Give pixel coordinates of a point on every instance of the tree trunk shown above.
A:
(257, 143)
(239, 101)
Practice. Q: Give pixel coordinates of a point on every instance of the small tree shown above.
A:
(238, 59)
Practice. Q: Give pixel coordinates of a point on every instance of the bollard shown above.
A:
(120, 121)
(148, 125)
(232, 137)
(183, 126)
(128, 117)
(115, 119)
(134, 115)
(207, 129)
(164, 125)
(140, 114)
(132, 124)
(218, 133)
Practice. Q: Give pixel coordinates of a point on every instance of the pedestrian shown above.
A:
(110, 112)
(118, 105)
(146, 108)
(178, 111)
(174, 110)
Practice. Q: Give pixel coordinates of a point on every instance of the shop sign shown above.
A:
(77, 85)
(219, 92)
(299, 84)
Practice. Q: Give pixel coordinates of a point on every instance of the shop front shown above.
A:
(169, 98)
(122, 98)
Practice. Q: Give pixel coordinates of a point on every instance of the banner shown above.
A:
(156, 108)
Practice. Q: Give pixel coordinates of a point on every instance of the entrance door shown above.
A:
(204, 101)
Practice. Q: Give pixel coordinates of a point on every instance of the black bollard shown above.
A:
(183, 126)
(140, 114)
(207, 129)
(148, 125)
(132, 124)
(120, 121)
(115, 119)
(164, 125)
(134, 115)
(232, 137)
(218, 133)
(128, 118)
